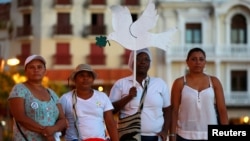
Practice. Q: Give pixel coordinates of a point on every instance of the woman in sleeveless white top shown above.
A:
(193, 98)
(196, 111)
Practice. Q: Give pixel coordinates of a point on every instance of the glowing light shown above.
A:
(3, 123)
(100, 88)
(13, 62)
(245, 119)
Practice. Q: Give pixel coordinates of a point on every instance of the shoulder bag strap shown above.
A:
(21, 131)
(74, 100)
(143, 94)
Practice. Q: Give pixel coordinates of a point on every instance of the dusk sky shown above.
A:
(3, 1)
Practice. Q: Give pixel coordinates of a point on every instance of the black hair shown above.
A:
(196, 49)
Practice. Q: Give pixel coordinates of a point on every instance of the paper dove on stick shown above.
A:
(136, 35)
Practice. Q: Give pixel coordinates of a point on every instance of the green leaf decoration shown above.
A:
(101, 41)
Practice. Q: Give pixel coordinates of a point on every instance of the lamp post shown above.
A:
(12, 62)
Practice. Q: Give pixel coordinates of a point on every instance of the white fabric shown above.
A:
(157, 97)
(196, 112)
(89, 113)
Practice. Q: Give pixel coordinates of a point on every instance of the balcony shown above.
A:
(94, 30)
(98, 2)
(125, 57)
(95, 4)
(226, 53)
(63, 2)
(63, 5)
(130, 2)
(62, 31)
(60, 59)
(96, 59)
(24, 5)
(24, 32)
(238, 99)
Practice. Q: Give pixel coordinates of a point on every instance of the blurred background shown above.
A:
(64, 32)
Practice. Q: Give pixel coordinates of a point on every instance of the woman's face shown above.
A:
(35, 70)
(142, 63)
(84, 79)
(196, 62)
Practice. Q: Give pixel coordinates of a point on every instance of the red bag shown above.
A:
(94, 139)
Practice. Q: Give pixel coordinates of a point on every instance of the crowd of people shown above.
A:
(180, 113)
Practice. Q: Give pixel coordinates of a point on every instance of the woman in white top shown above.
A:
(87, 110)
(155, 115)
(193, 99)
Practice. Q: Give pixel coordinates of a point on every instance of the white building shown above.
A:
(64, 32)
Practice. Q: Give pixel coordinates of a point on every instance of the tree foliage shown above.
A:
(6, 84)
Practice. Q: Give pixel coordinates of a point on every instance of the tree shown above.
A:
(6, 84)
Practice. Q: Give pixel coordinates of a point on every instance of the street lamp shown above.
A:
(13, 61)
(10, 62)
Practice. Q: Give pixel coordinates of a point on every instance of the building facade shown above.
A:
(65, 31)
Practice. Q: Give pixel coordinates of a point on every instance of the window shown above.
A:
(63, 24)
(239, 80)
(26, 20)
(239, 30)
(97, 24)
(63, 18)
(125, 56)
(98, 2)
(130, 2)
(97, 56)
(26, 29)
(62, 56)
(193, 33)
(25, 52)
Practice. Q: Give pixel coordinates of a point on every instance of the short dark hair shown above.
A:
(196, 49)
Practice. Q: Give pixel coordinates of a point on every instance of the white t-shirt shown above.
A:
(90, 114)
(157, 97)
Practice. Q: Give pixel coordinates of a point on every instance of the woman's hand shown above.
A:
(132, 92)
(50, 138)
(163, 135)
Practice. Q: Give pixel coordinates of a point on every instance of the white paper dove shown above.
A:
(136, 35)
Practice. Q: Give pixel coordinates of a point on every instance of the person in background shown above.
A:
(193, 99)
(35, 109)
(89, 112)
(155, 115)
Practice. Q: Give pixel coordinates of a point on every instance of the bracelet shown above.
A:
(171, 135)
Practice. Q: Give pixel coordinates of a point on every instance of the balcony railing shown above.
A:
(62, 59)
(236, 51)
(94, 30)
(96, 59)
(130, 2)
(63, 2)
(63, 30)
(238, 99)
(24, 31)
(24, 3)
(98, 2)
